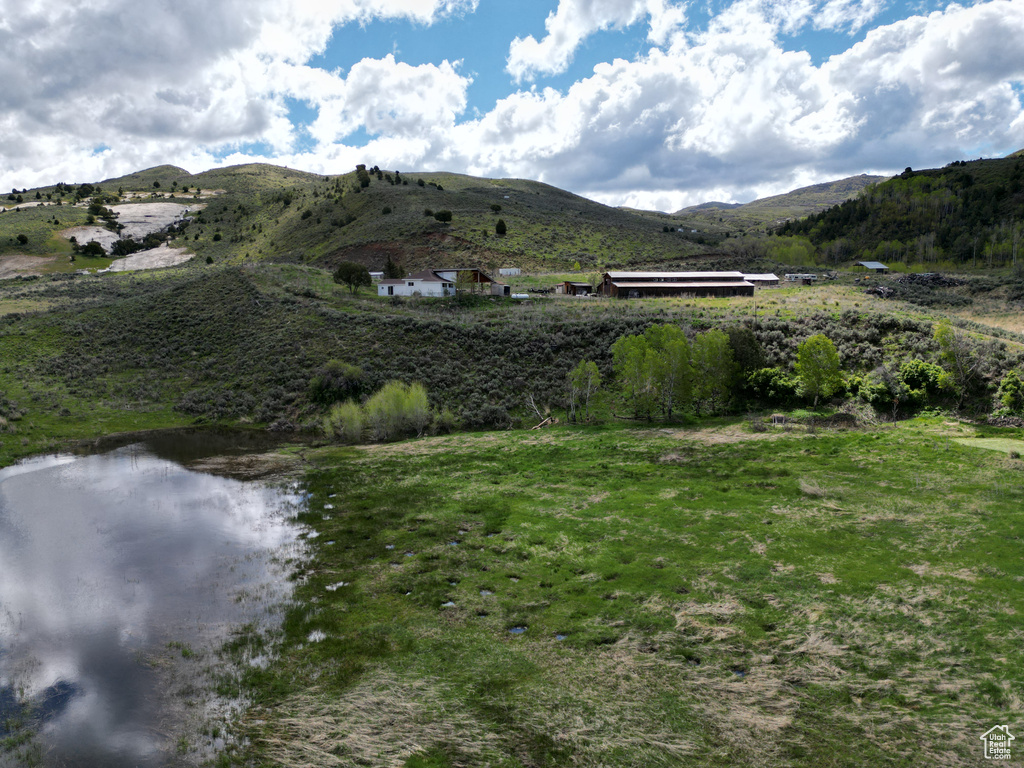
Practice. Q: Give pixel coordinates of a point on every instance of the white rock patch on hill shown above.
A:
(154, 258)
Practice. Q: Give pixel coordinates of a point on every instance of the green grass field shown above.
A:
(616, 597)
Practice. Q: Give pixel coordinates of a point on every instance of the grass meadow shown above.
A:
(658, 597)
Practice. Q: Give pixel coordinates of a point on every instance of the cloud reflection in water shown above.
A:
(106, 556)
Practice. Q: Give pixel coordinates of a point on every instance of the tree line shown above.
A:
(662, 373)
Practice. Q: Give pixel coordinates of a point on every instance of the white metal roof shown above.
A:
(684, 285)
(673, 275)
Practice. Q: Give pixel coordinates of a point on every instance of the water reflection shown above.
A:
(105, 559)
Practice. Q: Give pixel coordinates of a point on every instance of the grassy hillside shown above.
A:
(773, 211)
(334, 219)
(259, 212)
(708, 591)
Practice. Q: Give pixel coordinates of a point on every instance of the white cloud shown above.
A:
(731, 109)
(124, 74)
(391, 98)
(575, 20)
(726, 112)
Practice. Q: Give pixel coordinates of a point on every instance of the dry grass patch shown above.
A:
(382, 721)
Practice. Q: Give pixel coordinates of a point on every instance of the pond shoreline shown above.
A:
(223, 506)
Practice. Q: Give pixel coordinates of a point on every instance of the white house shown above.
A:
(426, 283)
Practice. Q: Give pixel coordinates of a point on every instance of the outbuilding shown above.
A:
(477, 278)
(874, 266)
(763, 281)
(441, 282)
(637, 285)
(570, 288)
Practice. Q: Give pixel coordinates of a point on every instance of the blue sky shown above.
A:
(649, 103)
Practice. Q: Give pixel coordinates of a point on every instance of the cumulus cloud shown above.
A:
(118, 73)
(728, 111)
(729, 108)
(575, 20)
(384, 96)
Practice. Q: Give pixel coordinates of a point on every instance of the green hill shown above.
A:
(773, 211)
(259, 212)
(965, 213)
(324, 220)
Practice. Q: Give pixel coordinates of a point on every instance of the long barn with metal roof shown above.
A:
(638, 285)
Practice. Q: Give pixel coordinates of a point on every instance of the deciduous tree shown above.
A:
(817, 366)
(960, 356)
(355, 276)
(584, 381)
(713, 369)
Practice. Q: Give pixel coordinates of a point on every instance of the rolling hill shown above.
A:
(772, 211)
(256, 212)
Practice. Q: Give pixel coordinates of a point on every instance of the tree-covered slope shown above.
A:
(966, 213)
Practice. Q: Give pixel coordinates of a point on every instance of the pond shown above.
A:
(118, 572)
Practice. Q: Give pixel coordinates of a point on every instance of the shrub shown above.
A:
(345, 421)
(397, 410)
(445, 421)
(1011, 392)
(919, 375)
(500, 227)
(336, 380)
(771, 386)
(443, 216)
(23, 239)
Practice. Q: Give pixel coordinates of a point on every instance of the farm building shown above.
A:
(570, 288)
(426, 283)
(873, 266)
(441, 282)
(635, 285)
(477, 278)
(763, 281)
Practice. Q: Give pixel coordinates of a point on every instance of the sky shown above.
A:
(654, 104)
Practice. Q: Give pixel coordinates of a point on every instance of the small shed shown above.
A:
(570, 288)
(763, 281)
(874, 266)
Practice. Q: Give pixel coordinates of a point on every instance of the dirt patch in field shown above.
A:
(730, 433)
(19, 264)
